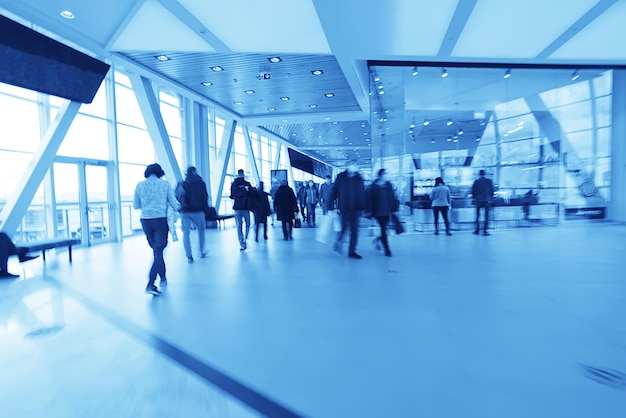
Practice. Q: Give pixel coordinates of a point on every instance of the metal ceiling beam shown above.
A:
(457, 24)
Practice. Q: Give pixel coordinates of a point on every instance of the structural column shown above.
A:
(617, 204)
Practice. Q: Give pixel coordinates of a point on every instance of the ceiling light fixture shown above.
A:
(414, 72)
(449, 139)
(449, 122)
(460, 131)
(575, 75)
(271, 109)
(238, 102)
(432, 141)
(478, 138)
(312, 105)
(217, 68)
(284, 98)
(426, 122)
(249, 91)
(67, 14)
(444, 73)
(376, 78)
(206, 83)
(162, 57)
(317, 72)
(329, 94)
(507, 73)
(274, 59)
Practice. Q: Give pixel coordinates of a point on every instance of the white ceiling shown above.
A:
(580, 32)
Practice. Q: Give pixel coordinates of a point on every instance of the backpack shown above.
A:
(241, 195)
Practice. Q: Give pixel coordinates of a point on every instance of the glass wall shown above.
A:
(542, 131)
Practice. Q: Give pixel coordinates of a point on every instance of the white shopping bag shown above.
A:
(325, 230)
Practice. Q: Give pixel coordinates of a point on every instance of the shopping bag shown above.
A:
(297, 223)
(325, 230)
(397, 224)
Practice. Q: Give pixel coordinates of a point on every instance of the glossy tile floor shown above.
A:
(528, 322)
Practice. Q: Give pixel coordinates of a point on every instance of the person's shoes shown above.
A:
(336, 246)
(355, 256)
(7, 275)
(256, 239)
(204, 255)
(388, 253)
(26, 257)
(285, 238)
(190, 260)
(152, 290)
(486, 233)
(265, 237)
(476, 232)
(163, 282)
(436, 232)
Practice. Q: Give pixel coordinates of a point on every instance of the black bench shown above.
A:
(49, 244)
(210, 214)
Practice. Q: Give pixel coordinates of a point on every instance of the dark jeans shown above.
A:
(260, 220)
(444, 213)
(156, 231)
(350, 220)
(310, 212)
(287, 228)
(383, 221)
(485, 206)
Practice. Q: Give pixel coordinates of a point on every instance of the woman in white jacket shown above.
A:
(441, 203)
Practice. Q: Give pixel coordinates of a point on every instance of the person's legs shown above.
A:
(477, 227)
(353, 220)
(156, 234)
(290, 228)
(264, 223)
(446, 221)
(7, 248)
(200, 222)
(486, 206)
(436, 210)
(246, 217)
(186, 220)
(285, 229)
(383, 221)
(239, 221)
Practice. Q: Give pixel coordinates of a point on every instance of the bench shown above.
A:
(49, 244)
(210, 214)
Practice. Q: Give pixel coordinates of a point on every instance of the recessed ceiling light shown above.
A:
(575, 75)
(329, 94)
(249, 91)
(327, 118)
(274, 59)
(334, 122)
(449, 139)
(426, 122)
(414, 72)
(217, 68)
(317, 72)
(271, 109)
(162, 57)
(363, 125)
(284, 98)
(444, 73)
(477, 138)
(312, 105)
(507, 73)
(449, 122)
(67, 14)
(238, 102)
(206, 83)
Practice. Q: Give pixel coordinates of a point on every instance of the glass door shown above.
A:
(81, 189)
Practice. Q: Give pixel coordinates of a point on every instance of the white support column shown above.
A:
(616, 210)
(222, 160)
(200, 139)
(251, 156)
(149, 105)
(42, 160)
(277, 156)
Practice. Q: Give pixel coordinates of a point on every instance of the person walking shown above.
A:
(349, 190)
(302, 200)
(194, 199)
(381, 203)
(241, 191)
(441, 203)
(152, 196)
(311, 199)
(482, 192)
(286, 206)
(261, 211)
(8, 248)
(326, 190)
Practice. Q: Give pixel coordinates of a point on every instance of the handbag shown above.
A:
(297, 223)
(397, 224)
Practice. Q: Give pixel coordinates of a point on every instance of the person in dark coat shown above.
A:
(326, 190)
(482, 192)
(381, 203)
(286, 206)
(8, 248)
(194, 199)
(261, 211)
(349, 190)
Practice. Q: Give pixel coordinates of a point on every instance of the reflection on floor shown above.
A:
(523, 323)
